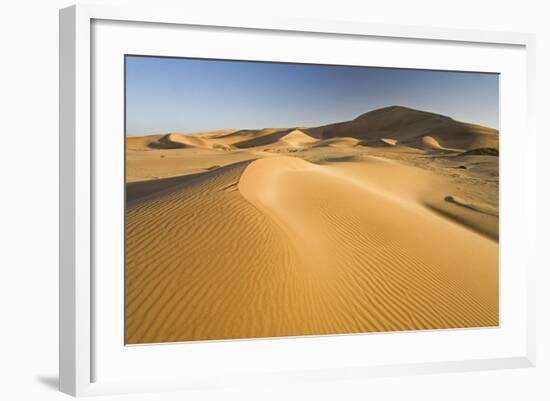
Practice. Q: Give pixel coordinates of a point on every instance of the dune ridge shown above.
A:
(389, 141)
(180, 288)
(389, 125)
(408, 126)
(297, 138)
(319, 258)
(387, 222)
(175, 141)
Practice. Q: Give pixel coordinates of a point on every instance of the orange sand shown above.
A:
(308, 234)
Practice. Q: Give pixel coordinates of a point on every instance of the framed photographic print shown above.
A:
(276, 200)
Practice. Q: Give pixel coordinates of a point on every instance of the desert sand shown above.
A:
(387, 222)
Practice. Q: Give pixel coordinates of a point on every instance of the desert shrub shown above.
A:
(481, 152)
(219, 146)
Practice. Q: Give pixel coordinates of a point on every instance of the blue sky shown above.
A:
(190, 95)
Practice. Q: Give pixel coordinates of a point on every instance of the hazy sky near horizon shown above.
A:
(191, 95)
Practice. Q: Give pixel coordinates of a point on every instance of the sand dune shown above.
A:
(389, 141)
(342, 142)
(377, 224)
(188, 279)
(141, 142)
(478, 217)
(326, 252)
(405, 124)
(216, 134)
(297, 138)
(429, 142)
(388, 125)
(261, 138)
(175, 141)
(165, 163)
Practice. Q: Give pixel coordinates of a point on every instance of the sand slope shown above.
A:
(155, 164)
(381, 223)
(408, 126)
(389, 141)
(341, 142)
(141, 142)
(388, 125)
(175, 141)
(297, 138)
(266, 136)
(188, 279)
(279, 246)
(430, 143)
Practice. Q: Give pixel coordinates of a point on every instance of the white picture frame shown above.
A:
(77, 370)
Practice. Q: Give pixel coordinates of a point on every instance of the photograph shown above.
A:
(268, 199)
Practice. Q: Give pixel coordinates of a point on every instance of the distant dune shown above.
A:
(342, 142)
(384, 223)
(390, 125)
(297, 138)
(141, 142)
(174, 141)
(262, 137)
(408, 126)
(430, 143)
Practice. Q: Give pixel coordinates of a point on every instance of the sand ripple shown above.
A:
(283, 247)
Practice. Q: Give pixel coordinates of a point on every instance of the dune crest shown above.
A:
(408, 125)
(175, 141)
(297, 138)
(389, 141)
(381, 223)
(429, 142)
(336, 220)
(321, 257)
(342, 142)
